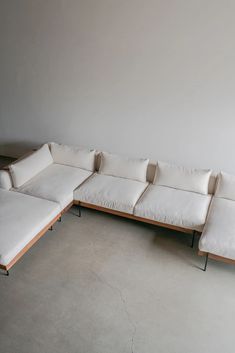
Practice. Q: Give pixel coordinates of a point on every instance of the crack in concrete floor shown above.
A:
(116, 289)
(130, 320)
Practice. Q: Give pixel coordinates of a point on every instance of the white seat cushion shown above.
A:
(218, 236)
(110, 192)
(56, 183)
(171, 206)
(26, 168)
(22, 217)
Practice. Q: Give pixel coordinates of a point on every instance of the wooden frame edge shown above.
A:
(136, 218)
(202, 253)
(217, 257)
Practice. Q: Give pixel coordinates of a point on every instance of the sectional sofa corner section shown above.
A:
(32, 186)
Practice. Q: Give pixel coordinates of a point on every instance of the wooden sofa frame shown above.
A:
(131, 216)
(214, 257)
(164, 225)
(136, 218)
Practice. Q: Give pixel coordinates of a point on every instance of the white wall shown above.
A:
(149, 78)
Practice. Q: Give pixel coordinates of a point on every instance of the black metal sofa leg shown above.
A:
(206, 262)
(193, 238)
(79, 213)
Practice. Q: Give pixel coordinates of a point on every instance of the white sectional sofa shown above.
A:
(50, 180)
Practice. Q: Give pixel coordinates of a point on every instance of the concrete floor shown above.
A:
(102, 284)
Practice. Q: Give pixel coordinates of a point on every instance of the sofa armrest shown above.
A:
(5, 180)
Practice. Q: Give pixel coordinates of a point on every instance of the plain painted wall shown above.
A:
(150, 78)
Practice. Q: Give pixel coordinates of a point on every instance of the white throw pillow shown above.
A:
(73, 156)
(179, 177)
(5, 180)
(226, 186)
(30, 166)
(124, 167)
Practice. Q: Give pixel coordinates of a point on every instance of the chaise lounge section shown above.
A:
(218, 236)
(23, 220)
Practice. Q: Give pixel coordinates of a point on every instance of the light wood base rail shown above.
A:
(217, 257)
(131, 216)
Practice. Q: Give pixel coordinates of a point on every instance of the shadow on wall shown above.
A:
(16, 149)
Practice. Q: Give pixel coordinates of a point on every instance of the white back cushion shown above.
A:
(124, 167)
(179, 177)
(30, 166)
(73, 156)
(226, 186)
(5, 180)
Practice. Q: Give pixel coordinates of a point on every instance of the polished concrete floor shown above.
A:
(102, 284)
